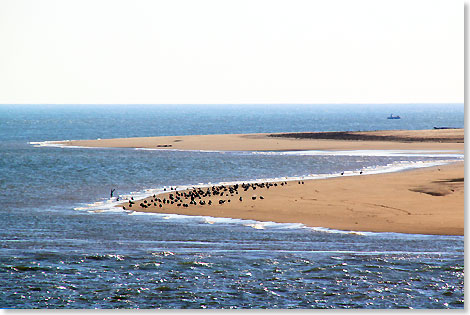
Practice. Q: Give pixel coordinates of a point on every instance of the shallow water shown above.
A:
(148, 261)
(53, 256)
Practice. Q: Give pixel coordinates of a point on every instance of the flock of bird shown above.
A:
(201, 196)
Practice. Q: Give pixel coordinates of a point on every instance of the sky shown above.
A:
(231, 51)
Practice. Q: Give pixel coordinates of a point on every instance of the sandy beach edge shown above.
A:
(419, 201)
(433, 139)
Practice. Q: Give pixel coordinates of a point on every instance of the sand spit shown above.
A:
(420, 201)
(434, 139)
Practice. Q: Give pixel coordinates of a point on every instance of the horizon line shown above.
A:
(156, 104)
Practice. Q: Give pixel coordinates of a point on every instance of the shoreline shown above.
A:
(383, 140)
(426, 200)
(419, 212)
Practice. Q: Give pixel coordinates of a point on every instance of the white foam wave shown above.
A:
(179, 150)
(59, 144)
(108, 207)
(333, 231)
(48, 143)
(403, 153)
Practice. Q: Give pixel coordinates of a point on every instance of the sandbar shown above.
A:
(418, 201)
(433, 139)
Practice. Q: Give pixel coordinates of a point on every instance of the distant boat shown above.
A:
(393, 117)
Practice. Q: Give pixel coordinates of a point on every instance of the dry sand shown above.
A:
(451, 139)
(420, 201)
(423, 201)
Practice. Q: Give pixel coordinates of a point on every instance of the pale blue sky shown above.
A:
(231, 51)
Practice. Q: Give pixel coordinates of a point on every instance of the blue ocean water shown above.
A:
(62, 247)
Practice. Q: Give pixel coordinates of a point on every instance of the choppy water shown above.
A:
(52, 256)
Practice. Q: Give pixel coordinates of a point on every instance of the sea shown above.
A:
(63, 244)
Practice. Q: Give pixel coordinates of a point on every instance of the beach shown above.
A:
(435, 139)
(419, 201)
(60, 225)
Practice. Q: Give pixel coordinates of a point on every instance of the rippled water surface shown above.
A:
(52, 256)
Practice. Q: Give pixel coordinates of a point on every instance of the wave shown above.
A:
(46, 144)
(57, 144)
(269, 225)
(391, 153)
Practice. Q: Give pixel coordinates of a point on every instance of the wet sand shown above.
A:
(420, 201)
